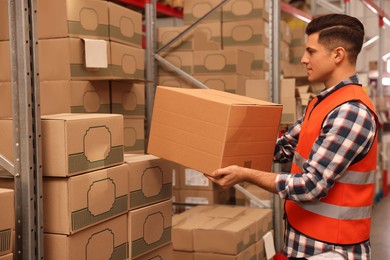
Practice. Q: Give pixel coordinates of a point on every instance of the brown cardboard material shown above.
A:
(9, 256)
(249, 32)
(208, 36)
(7, 220)
(128, 99)
(127, 62)
(262, 218)
(125, 25)
(240, 130)
(223, 82)
(289, 96)
(194, 197)
(102, 241)
(134, 135)
(245, 10)
(5, 61)
(192, 179)
(162, 253)
(290, 70)
(166, 34)
(195, 9)
(77, 143)
(255, 88)
(260, 250)
(149, 228)
(182, 231)
(174, 81)
(90, 96)
(150, 179)
(54, 96)
(68, 56)
(75, 18)
(182, 255)
(181, 60)
(75, 203)
(232, 61)
(225, 236)
(248, 253)
(4, 28)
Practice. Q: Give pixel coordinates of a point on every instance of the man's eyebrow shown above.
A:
(310, 49)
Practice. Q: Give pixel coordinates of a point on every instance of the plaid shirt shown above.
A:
(332, 153)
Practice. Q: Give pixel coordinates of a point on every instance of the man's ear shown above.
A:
(339, 54)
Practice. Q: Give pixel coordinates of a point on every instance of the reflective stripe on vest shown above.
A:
(339, 212)
(350, 177)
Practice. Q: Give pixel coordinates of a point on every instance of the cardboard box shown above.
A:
(150, 179)
(182, 255)
(233, 61)
(166, 34)
(296, 54)
(75, 18)
(162, 253)
(245, 10)
(78, 143)
(75, 203)
(55, 97)
(246, 254)
(290, 70)
(149, 228)
(223, 82)
(225, 236)
(5, 61)
(134, 135)
(128, 99)
(240, 130)
(263, 219)
(195, 197)
(127, 62)
(205, 36)
(125, 25)
(260, 250)
(175, 81)
(195, 9)
(7, 220)
(101, 241)
(9, 256)
(182, 231)
(289, 96)
(249, 32)
(90, 97)
(192, 179)
(4, 28)
(65, 59)
(255, 88)
(285, 32)
(180, 59)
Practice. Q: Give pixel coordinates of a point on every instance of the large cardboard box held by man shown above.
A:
(205, 129)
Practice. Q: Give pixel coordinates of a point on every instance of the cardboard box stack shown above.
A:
(7, 223)
(221, 232)
(150, 205)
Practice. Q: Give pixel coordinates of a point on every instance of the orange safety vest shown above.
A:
(344, 215)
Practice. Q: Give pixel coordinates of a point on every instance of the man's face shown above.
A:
(318, 60)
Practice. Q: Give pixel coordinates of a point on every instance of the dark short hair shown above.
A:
(339, 30)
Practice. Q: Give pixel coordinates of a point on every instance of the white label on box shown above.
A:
(195, 178)
(196, 200)
(95, 53)
(269, 245)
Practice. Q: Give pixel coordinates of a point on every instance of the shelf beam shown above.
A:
(160, 8)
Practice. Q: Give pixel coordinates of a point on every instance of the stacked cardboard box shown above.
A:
(195, 188)
(221, 232)
(150, 205)
(7, 224)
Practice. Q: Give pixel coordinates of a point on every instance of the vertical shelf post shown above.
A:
(27, 131)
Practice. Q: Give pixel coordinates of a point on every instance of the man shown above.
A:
(329, 191)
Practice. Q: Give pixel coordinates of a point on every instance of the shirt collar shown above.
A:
(351, 80)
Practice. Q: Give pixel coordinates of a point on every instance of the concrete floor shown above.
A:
(380, 230)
